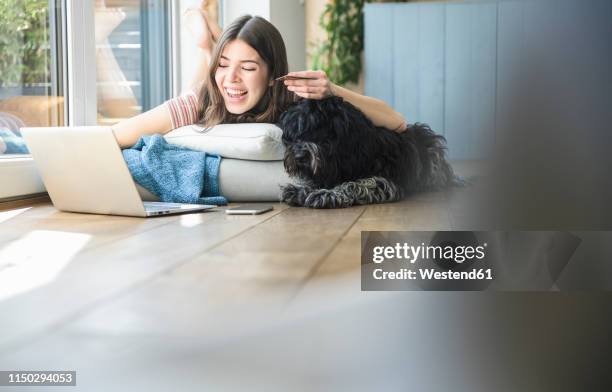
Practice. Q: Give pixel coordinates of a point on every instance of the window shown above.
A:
(31, 80)
(75, 62)
(132, 58)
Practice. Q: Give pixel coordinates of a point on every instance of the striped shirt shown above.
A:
(183, 109)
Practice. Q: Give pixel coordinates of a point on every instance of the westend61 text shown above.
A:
(432, 274)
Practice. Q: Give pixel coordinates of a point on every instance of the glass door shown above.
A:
(132, 57)
(31, 70)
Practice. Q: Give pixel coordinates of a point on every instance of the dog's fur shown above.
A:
(341, 158)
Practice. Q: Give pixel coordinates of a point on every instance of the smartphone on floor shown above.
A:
(249, 209)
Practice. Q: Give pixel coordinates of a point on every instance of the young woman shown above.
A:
(238, 74)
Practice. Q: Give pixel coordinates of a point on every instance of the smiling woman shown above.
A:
(240, 85)
(250, 54)
(241, 80)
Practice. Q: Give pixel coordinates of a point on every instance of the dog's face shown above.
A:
(318, 140)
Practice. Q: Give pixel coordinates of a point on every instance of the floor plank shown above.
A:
(206, 275)
(65, 280)
(338, 276)
(249, 277)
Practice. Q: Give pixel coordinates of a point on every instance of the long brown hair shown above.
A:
(262, 36)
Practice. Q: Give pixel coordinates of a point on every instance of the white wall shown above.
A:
(235, 8)
(288, 17)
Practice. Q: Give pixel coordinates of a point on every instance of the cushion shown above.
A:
(244, 180)
(11, 122)
(253, 141)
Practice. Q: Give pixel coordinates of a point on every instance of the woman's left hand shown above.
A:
(317, 88)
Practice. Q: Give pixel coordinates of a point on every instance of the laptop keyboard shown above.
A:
(153, 206)
(159, 206)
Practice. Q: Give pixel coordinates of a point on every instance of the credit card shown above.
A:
(291, 77)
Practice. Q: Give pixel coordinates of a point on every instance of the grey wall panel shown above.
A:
(378, 43)
(406, 60)
(509, 67)
(479, 71)
(484, 71)
(470, 74)
(459, 77)
(443, 71)
(418, 58)
(431, 60)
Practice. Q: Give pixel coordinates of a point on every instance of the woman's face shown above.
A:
(242, 76)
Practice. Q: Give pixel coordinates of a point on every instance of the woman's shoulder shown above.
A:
(184, 109)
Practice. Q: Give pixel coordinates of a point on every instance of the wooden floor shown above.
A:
(80, 289)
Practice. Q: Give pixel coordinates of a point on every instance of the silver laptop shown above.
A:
(84, 171)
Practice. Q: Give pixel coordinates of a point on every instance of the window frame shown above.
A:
(156, 22)
(72, 26)
(20, 178)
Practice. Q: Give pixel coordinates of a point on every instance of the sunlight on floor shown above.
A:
(6, 215)
(36, 259)
(191, 220)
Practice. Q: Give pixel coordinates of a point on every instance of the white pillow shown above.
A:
(254, 141)
(241, 180)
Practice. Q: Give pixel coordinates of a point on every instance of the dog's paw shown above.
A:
(327, 198)
(289, 194)
(294, 195)
(372, 190)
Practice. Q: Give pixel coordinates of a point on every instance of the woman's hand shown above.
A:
(318, 87)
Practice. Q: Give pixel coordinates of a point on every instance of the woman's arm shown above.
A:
(156, 120)
(183, 110)
(375, 109)
(174, 113)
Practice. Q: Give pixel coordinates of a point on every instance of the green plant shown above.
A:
(340, 55)
(24, 42)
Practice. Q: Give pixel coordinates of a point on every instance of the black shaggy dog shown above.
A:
(341, 158)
